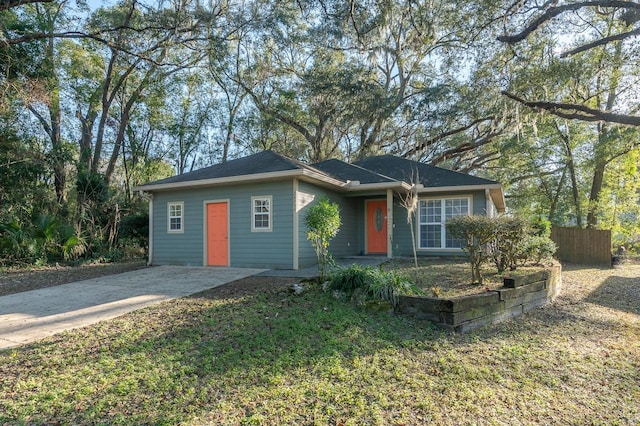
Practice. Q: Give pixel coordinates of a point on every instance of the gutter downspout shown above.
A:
(489, 211)
(149, 197)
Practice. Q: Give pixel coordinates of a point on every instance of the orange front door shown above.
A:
(217, 234)
(377, 226)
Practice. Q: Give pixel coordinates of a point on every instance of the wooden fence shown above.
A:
(583, 246)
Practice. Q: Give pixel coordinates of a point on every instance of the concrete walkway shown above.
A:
(32, 315)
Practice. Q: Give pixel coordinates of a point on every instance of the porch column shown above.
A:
(389, 223)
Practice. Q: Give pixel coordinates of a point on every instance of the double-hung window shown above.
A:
(432, 217)
(175, 222)
(261, 213)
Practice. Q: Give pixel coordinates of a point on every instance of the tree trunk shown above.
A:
(594, 196)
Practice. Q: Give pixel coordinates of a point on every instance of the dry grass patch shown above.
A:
(450, 277)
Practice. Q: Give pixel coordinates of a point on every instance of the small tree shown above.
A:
(410, 203)
(323, 223)
(477, 232)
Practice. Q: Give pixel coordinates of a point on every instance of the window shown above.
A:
(175, 216)
(261, 213)
(432, 216)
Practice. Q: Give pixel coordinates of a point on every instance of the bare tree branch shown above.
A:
(465, 147)
(600, 42)
(552, 12)
(443, 135)
(577, 112)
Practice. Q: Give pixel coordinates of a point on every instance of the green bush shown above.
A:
(541, 227)
(536, 249)
(351, 278)
(376, 284)
(323, 223)
(135, 228)
(390, 285)
(508, 241)
(509, 232)
(478, 232)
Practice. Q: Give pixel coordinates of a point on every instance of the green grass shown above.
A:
(268, 357)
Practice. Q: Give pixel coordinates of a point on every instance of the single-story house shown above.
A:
(250, 212)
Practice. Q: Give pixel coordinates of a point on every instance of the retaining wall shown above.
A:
(518, 295)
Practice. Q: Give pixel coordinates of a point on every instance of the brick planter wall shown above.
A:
(519, 294)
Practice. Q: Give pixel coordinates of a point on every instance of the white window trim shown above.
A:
(443, 234)
(169, 217)
(253, 213)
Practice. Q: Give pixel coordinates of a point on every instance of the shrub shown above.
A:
(477, 232)
(536, 249)
(374, 283)
(390, 285)
(323, 223)
(509, 232)
(135, 228)
(351, 278)
(506, 240)
(541, 227)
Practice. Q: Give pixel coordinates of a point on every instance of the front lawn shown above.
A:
(263, 356)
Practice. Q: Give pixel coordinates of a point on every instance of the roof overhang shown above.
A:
(356, 186)
(285, 174)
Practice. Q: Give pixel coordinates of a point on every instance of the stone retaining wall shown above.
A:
(519, 294)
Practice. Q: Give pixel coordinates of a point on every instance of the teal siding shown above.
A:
(401, 231)
(179, 248)
(343, 244)
(275, 249)
(272, 249)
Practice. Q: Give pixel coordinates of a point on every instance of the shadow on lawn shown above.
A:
(620, 293)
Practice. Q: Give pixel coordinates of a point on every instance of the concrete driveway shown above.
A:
(32, 315)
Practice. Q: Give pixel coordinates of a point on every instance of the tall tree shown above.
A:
(37, 80)
(604, 25)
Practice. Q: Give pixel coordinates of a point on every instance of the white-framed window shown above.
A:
(175, 217)
(261, 213)
(432, 216)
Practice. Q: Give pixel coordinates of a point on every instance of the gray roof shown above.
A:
(262, 162)
(373, 170)
(350, 172)
(429, 176)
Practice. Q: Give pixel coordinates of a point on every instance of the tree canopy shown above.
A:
(540, 96)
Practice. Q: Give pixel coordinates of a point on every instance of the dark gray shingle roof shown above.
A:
(429, 176)
(380, 169)
(262, 162)
(345, 172)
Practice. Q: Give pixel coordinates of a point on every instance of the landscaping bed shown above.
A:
(519, 294)
(448, 277)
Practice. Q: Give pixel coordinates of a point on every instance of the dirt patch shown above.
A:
(19, 280)
(249, 286)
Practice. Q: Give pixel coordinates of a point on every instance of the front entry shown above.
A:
(217, 234)
(377, 227)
